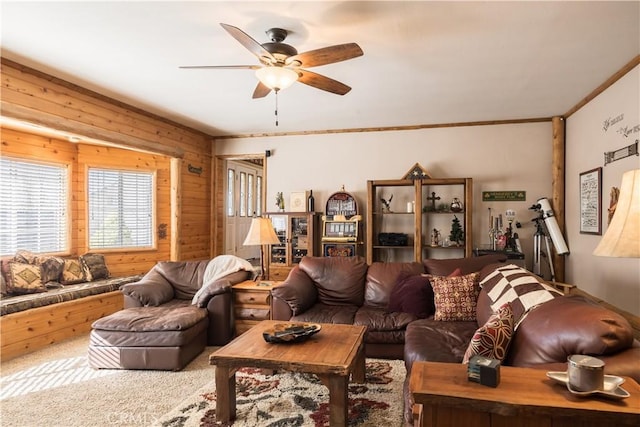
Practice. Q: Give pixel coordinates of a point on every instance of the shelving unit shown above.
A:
(298, 234)
(418, 223)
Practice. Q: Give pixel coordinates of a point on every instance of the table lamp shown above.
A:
(622, 238)
(261, 233)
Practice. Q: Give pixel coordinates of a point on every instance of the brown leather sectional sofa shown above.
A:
(161, 327)
(346, 290)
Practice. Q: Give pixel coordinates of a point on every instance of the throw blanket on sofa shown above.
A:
(519, 287)
(219, 267)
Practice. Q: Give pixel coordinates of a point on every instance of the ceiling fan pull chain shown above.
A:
(277, 107)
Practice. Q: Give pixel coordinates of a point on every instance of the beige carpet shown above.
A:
(56, 387)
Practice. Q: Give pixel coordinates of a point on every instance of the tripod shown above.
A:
(537, 249)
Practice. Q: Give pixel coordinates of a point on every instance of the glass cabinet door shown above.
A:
(279, 252)
(299, 238)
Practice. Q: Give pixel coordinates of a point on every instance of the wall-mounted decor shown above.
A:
(629, 150)
(193, 169)
(504, 196)
(591, 201)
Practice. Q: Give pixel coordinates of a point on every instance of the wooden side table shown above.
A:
(525, 397)
(251, 303)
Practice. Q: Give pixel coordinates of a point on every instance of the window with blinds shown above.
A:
(33, 206)
(121, 206)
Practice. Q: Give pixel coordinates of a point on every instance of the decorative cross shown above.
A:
(433, 199)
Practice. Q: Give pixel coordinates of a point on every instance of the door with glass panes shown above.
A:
(243, 190)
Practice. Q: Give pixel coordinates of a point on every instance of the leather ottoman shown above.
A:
(160, 338)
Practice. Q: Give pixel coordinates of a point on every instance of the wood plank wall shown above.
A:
(78, 157)
(47, 100)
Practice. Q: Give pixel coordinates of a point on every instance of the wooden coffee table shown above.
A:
(524, 397)
(334, 353)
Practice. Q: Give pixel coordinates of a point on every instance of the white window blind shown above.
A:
(120, 208)
(33, 206)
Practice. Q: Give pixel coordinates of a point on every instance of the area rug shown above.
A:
(297, 399)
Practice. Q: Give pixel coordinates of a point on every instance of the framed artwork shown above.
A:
(591, 201)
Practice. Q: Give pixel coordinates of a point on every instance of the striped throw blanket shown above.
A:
(520, 287)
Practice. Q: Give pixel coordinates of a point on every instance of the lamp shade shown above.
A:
(261, 232)
(622, 238)
(276, 78)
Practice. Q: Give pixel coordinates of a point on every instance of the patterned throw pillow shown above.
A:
(492, 339)
(25, 278)
(72, 272)
(455, 297)
(50, 266)
(94, 267)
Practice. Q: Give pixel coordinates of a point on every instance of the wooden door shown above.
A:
(242, 201)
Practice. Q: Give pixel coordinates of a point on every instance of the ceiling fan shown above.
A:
(281, 65)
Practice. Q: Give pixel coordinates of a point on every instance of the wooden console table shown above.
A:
(525, 397)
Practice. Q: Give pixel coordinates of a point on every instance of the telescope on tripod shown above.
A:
(546, 226)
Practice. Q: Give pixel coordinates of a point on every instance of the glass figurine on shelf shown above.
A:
(456, 205)
(435, 237)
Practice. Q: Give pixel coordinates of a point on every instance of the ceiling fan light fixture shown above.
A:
(276, 78)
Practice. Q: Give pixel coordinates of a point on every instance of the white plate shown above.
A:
(611, 387)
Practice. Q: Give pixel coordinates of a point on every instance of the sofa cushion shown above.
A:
(50, 266)
(492, 339)
(323, 313)
(339, 280)
(185, 276)
(382, 278)
(151, 291)
(72, 272)
(298, 291)
(435, 341)
(444, 267)
(412, 294)
(455, 297)
(378, 319)
(95, 267)
(24, 278)
(173, 317)
(521, 288)
(568, 325)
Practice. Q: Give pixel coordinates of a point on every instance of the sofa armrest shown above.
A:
(298, 291)
(151, 290)
(210, 290)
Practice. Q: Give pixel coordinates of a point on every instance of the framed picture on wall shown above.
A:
(591, 201)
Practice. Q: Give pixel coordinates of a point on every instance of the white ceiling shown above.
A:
(424, 62)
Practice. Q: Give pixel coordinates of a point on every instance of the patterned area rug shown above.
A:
(295, 399)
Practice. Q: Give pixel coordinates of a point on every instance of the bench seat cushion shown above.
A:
(14, 304)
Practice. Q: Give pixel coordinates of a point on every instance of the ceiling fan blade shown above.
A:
(261, 91)
(326, 55)
(322, 82)
(249, 43)
(235, 67)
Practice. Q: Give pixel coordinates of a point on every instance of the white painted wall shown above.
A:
(497, 157)
(616, 280)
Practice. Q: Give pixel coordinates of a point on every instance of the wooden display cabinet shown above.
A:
(412, 213)
(298, 233)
